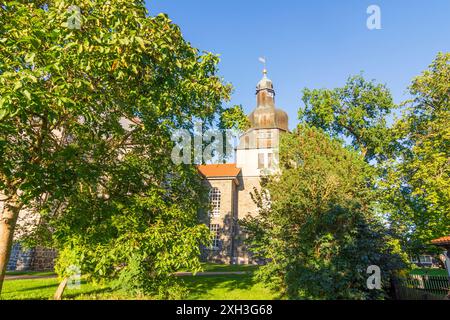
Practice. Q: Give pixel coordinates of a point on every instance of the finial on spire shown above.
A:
(263, 60)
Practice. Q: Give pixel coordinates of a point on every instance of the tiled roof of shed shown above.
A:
(443, 240)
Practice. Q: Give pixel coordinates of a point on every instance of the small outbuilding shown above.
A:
(444, 242)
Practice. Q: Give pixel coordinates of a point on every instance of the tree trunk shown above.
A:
(59, 292)
(8, 220)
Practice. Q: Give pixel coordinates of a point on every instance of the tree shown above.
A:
(360, 114)
(419, 180)
(74, 102)
(321, 230)
(357, 112)
(234, 118)
(134, 243)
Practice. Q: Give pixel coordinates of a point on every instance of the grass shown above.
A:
(429, 271)
(226, 287)
(211, 267)
(42, 289)
(223, 287)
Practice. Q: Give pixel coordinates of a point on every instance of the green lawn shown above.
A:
(429, 271)
(211, 267)
(42, 289)
(224, 287)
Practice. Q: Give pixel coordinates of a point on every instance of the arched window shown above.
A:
(214, 202)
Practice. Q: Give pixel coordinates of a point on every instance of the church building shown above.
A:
(231, 185)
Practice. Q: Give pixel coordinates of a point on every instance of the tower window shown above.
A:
(270, 160)
(260, 160)
(214, 201)
(247, 142)
(215, 243)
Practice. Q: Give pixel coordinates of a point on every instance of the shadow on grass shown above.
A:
(201, 285)
(37, 288)
(85, 290)
(72, 294)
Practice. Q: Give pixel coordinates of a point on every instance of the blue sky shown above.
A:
(314, 43)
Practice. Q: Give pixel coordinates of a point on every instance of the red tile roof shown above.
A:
(440, 241)
(219, 170)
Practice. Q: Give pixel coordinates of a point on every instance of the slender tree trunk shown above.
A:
(8, 220)
(59, 292)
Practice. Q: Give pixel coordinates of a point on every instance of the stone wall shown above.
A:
(35, 259)
(43, 259)
(20, 258)
(246, 207)
(236, 204)
(226, 222)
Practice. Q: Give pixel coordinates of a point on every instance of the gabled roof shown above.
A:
(219, 170)
(442, 241)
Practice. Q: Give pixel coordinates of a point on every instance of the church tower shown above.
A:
(257, 155)
(257, 152)
(231, 185)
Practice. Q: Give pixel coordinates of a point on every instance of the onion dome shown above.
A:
(265, 115)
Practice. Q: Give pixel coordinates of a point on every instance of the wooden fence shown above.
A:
(422, 287)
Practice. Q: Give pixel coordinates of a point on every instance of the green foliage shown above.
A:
(59, 83)
(86, 117)
(137, 242)
(411, 155)
(419, 181)
(321, 232)
(234, 118)
(357, 112)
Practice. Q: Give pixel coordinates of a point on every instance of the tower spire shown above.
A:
(266, 115)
